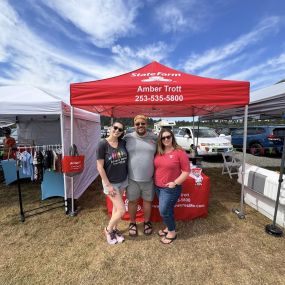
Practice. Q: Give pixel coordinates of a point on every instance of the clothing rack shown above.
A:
(44, 208)
(38, 147)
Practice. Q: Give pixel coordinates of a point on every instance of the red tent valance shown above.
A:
(158, 91)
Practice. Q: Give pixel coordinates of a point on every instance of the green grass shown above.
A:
(53, 248)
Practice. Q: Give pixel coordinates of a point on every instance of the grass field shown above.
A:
(53, 248)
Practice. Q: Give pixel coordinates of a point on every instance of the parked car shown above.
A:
(207, 141)
(260, 139)
(104, 133)
(226, 132)
(130, 130)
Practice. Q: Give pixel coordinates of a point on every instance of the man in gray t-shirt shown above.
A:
(141, 147)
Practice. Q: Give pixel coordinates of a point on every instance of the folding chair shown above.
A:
(231, 163)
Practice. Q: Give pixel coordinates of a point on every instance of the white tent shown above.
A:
(45, 119)
(265, 102)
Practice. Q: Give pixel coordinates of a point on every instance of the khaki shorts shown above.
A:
(135, 190)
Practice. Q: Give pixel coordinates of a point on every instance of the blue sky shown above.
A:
(51, 43)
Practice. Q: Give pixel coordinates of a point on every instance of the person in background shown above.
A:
(9, 144)
(171, 168)
(112, 159)
(141, 147)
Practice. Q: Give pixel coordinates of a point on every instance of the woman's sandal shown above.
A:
(162, 233)
(147, 228)
(168, 238)
(133, 230)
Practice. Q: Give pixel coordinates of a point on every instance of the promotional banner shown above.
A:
(193, 202)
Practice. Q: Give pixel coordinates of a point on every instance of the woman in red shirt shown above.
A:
(171, 168)
(9, 144)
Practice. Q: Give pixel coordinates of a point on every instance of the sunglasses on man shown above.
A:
(140, 124)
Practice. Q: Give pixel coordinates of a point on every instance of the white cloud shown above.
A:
(8, 19)
(179, 15)
(264, 74)
(34, 61)
(103, 20)
(219, 70)
(198, 61)
(136, 57)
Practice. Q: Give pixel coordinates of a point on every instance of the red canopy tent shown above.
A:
(158, 91)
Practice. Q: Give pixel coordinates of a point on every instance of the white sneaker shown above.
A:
(120, 238)
(111, 237)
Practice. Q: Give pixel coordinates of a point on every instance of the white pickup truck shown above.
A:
(207, 141)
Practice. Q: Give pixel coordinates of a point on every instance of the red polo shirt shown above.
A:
(168, 167)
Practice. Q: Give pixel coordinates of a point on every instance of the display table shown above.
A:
(193, 202)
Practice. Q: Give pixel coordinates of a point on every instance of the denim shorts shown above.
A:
(117, 186)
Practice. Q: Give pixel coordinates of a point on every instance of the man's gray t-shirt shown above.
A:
(141, 151)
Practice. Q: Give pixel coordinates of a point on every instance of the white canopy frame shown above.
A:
(29, 104)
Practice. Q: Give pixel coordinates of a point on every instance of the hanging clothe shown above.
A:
(38, 166)
(27, 163)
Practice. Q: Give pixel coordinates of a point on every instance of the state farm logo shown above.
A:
(156, 78)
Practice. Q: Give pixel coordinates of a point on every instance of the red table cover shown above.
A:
(193, 202)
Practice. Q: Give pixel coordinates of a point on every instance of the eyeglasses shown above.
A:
(117, 128)
(140, 124)
(166, 137)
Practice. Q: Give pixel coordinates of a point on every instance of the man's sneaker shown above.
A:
(120, 238)
(111, 237)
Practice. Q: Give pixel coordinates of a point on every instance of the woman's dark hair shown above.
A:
(123, 133)
(7, 131)
(160, 145)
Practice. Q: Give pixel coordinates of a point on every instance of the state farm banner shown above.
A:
(193, 202)
(158, 87)
(157, 90)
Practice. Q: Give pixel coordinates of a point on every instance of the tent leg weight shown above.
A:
(69, 211)
(239, 213)
(22, 218)
(273, 230)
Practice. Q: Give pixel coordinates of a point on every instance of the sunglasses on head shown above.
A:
(166, 137)
(117, 128)
(140, 124)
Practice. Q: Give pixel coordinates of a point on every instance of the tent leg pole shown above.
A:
(272, 229)
(72, 213)
(240, 212)
(22, 215)
(62, 126)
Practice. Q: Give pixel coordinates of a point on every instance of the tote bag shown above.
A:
(73, 164)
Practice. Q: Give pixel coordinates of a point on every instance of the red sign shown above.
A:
(193, 202)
